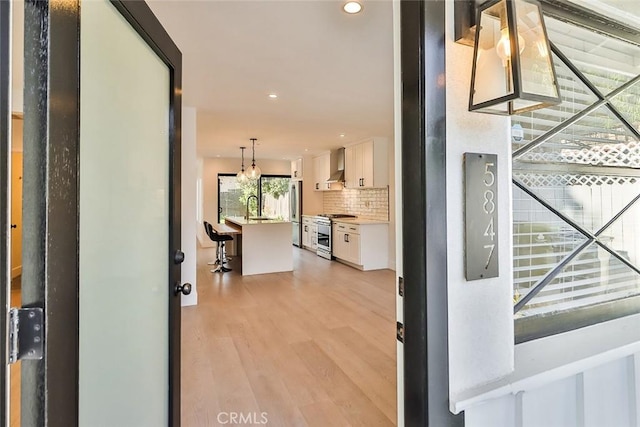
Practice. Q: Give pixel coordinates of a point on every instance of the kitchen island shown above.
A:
(267, 245)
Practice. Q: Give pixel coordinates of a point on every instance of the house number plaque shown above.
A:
(481, 215)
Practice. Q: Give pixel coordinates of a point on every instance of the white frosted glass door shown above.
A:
(124, 224)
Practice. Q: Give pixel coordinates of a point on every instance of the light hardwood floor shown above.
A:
(315, 347)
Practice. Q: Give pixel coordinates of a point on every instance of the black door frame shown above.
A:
(424, 215)
(5, 144)
(225, 174)
(50, 206)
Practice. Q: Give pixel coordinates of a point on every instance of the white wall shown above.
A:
(311, 200)
(396, 205)
(589, 377)
(481, 343)
(189, 205)
(17, 61)
(392, 205)
(203, 240)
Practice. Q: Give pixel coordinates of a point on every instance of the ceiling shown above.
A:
(332, 72)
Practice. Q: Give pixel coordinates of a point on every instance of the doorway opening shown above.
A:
(317, 345)
(15, 159)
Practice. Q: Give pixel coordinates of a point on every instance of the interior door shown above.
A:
(102, 214)
(5, 144)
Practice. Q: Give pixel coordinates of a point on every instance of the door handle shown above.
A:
(178, 257)
(182, 289)
(306, 228)
(346, 238)
(317, 186)
(14, 225)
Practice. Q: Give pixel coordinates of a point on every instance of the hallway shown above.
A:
(312, 347)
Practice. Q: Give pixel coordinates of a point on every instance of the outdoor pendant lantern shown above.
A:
(512, 64)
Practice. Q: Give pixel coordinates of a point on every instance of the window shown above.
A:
(272, 192)
(576, 186)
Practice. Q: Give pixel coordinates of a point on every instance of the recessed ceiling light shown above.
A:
(217, 155)
(342, 135)
(306, 149)
(273, 96)
(352, 7)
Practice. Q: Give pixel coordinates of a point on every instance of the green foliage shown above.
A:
(249, 188)
(275, 187)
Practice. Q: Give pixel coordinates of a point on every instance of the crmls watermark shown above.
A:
(244, 418)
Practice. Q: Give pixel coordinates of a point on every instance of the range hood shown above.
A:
(336, 163)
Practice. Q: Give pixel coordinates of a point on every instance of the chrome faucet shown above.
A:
(257, 203)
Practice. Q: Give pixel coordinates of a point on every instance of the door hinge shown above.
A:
(400, 332)
(26, 334)
(400, 286)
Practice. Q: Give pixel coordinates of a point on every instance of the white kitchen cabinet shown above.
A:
(322, 172)
(364, 246)
(308, 228)
(350, 166)
(354, 250)
(366, 164)
(296, 170)
(339, 244)
(306, 236)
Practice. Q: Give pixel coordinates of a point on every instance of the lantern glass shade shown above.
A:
(513, 68)
(254, 172)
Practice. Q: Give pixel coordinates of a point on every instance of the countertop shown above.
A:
(357, 221)
(239, 220)
(360, 221)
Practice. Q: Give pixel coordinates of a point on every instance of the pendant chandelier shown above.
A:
(254, 171)
(242, 175)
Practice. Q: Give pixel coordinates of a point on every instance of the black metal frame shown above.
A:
(518, 92)
(532, 328)
(602, 100)
(142, 19)
(564, 10)
(259, 213)
(50, 206)
(573, 13)
(424, 236)
(5, 179)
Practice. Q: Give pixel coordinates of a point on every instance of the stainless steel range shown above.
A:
(323, 222)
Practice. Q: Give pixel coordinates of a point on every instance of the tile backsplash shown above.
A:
(371, 203)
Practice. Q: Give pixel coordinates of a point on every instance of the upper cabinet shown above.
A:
(322, 172)
(296, 170)
(366, 164)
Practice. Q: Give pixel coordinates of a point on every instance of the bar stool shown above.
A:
(215, 239)
(220, 240)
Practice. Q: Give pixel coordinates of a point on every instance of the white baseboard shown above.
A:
(191, 299)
